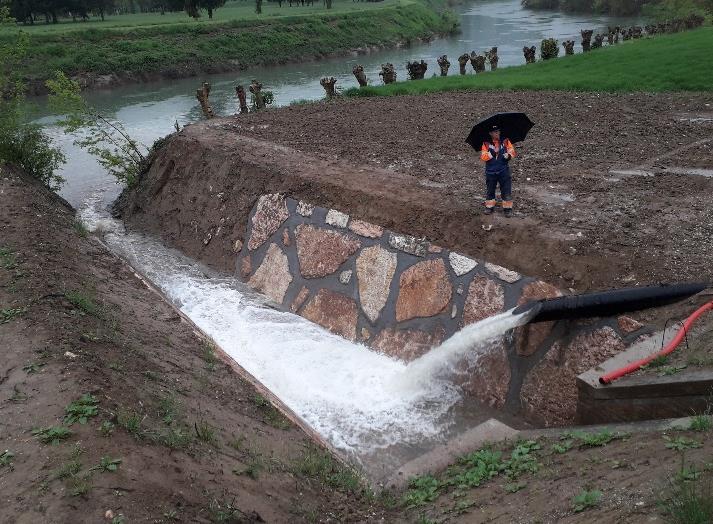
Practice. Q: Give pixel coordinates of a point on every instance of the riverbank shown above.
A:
(172, 433)
(677, 62)
(118, 55)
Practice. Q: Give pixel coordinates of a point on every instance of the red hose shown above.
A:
(630, 368)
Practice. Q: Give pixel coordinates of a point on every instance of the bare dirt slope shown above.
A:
(188, 439)
(596, 200)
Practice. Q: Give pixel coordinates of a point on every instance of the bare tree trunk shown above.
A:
(202, 96)
(478, 62)
(388, 73)
(492, 56)
(328, 85)
(358, 71)
(444, 64)
(242, 98)
(416, 70)
(255, 89)
(463, 62)
(586, 39)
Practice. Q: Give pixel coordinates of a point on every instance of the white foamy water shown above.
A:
(357, 399)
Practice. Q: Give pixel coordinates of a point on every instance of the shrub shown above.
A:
(549, 48)
(21, 143)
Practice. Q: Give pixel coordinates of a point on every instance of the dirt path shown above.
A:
(597, 202)
(193, 442)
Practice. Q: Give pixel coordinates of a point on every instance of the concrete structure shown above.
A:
(403, 295)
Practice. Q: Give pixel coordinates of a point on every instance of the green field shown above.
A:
(679, 62)
(242, 10)
(132, 45)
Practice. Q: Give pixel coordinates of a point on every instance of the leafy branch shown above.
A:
(120, 154)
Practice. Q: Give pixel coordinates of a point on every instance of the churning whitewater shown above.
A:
(357, 399)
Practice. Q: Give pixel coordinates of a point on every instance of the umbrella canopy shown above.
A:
(512, 125)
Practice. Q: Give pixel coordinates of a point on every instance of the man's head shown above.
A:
(495, 133)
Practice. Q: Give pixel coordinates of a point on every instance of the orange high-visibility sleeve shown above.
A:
(509, 148)
(485, 154)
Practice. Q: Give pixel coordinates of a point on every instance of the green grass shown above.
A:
(84, 302)
(81, 410)
(688, 502)
(185, 44)
(52, 434)
(230, 12)
(679, 62)
(318, 464)
(585, 500)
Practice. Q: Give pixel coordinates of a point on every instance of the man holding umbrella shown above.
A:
(494, 138)
(496, 154)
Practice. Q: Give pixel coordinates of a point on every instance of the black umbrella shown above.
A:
(512, 125)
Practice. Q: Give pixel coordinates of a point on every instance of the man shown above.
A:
(497, 154)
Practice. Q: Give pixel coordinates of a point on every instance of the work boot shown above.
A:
(488, 210)
(508, 212)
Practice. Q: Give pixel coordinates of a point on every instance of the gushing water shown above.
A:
(359, 400)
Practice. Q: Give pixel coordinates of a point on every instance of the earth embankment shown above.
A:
(610, 190)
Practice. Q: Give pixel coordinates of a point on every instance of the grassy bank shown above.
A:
(680, 62)
(181, 49)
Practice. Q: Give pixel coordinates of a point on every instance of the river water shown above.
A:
(360, 401)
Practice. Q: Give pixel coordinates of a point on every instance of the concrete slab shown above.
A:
(696, 171)
(636, 351)
(439, 458)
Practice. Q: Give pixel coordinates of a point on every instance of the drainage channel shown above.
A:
(378, 412)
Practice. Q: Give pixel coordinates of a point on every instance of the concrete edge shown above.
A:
(638, 350)
(492, 430)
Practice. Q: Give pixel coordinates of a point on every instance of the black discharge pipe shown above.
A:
(607, 303)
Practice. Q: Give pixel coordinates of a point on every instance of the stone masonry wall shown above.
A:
(402, 296)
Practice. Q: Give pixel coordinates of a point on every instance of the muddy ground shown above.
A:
(177, 434)
(597, 204)
(179, 437)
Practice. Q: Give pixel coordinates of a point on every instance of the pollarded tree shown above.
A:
(210, 5)
(192, 8)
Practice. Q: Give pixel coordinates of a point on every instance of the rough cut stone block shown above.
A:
(237, 246)
(337, 218)
(502, 273)
(485, 298)
(322, 251)
(304, 209)
(345, 276)
(461, 264)
(549, 392)
(246, 267)
(273, 276)
(333, 311)
(299, 299)
(375, 267)
(530, 337)
(366, 229)
(409, 244)
(489, 376)
(628, 325)
(406, 344)
(270, 213)
(365, 334)
(424, 290)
